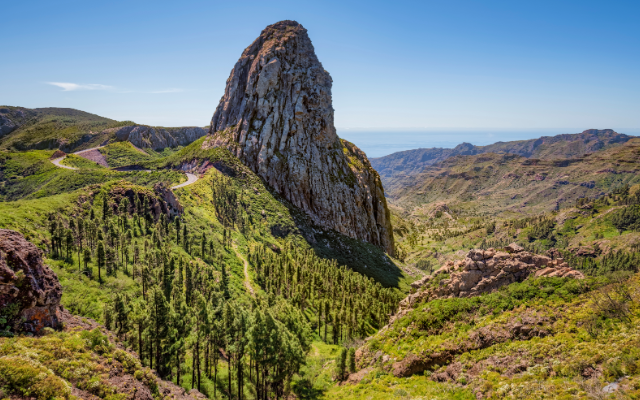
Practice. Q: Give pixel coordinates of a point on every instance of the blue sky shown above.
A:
(503, 65)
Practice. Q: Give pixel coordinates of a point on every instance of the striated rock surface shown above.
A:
(485, 271)
(29, 290)
(159, 138)
(276, 115)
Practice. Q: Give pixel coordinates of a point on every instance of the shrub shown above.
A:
(30, 378)
(97, 341)
(129, 363)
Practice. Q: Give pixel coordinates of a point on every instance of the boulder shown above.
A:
(29, 290)
(514, 248)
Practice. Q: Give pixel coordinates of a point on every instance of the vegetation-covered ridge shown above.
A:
(54, 128)
(542, 338)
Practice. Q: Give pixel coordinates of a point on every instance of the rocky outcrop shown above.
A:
(6, 125)
(29, 290)
(485, 271)
(276, 116)
(159, 138)
(57, 154)
(166, 194)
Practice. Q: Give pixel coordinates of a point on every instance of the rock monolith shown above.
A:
(276, 116)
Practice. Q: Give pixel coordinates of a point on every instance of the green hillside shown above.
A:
(52, 128)
(238, 256)
(224, 286)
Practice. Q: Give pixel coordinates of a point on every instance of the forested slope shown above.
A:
(165, 271)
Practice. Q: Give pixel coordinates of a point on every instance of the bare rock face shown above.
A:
(276, 116)
(165, 193)
(159, 138)
(29, 290)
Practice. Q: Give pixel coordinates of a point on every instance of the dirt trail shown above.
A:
(247, 280)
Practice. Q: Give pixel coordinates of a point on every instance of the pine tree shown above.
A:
(341, 364)
(351, 360)
(86, 258)
(101, 260)
(224, 281)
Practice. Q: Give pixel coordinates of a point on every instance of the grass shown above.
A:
(121, 154)
(29, 216)
(31, 175)
(380, 385)
(76, 161)
(47, 367)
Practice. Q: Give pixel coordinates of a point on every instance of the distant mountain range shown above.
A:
(497, 183)
(547, 147)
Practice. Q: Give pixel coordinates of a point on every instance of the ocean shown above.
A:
(379, 143)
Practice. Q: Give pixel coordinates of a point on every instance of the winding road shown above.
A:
(56, 162)
(191, 178)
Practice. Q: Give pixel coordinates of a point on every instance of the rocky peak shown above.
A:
(276, 116)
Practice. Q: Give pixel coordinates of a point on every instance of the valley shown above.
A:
(264, 257)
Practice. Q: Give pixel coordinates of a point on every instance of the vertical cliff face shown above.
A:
(276, 116)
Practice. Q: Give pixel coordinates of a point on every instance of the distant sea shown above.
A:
(379, 143)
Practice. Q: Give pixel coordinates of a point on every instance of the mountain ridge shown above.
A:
(545, 147)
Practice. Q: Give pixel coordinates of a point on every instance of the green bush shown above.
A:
(97, 341)
(29, 378)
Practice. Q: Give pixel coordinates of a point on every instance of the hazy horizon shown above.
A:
(379, 142)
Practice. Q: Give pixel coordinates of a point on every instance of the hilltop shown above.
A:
(70, 130)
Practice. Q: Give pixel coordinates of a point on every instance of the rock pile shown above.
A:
(485, 271)
(276, 116)
(29, 290)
